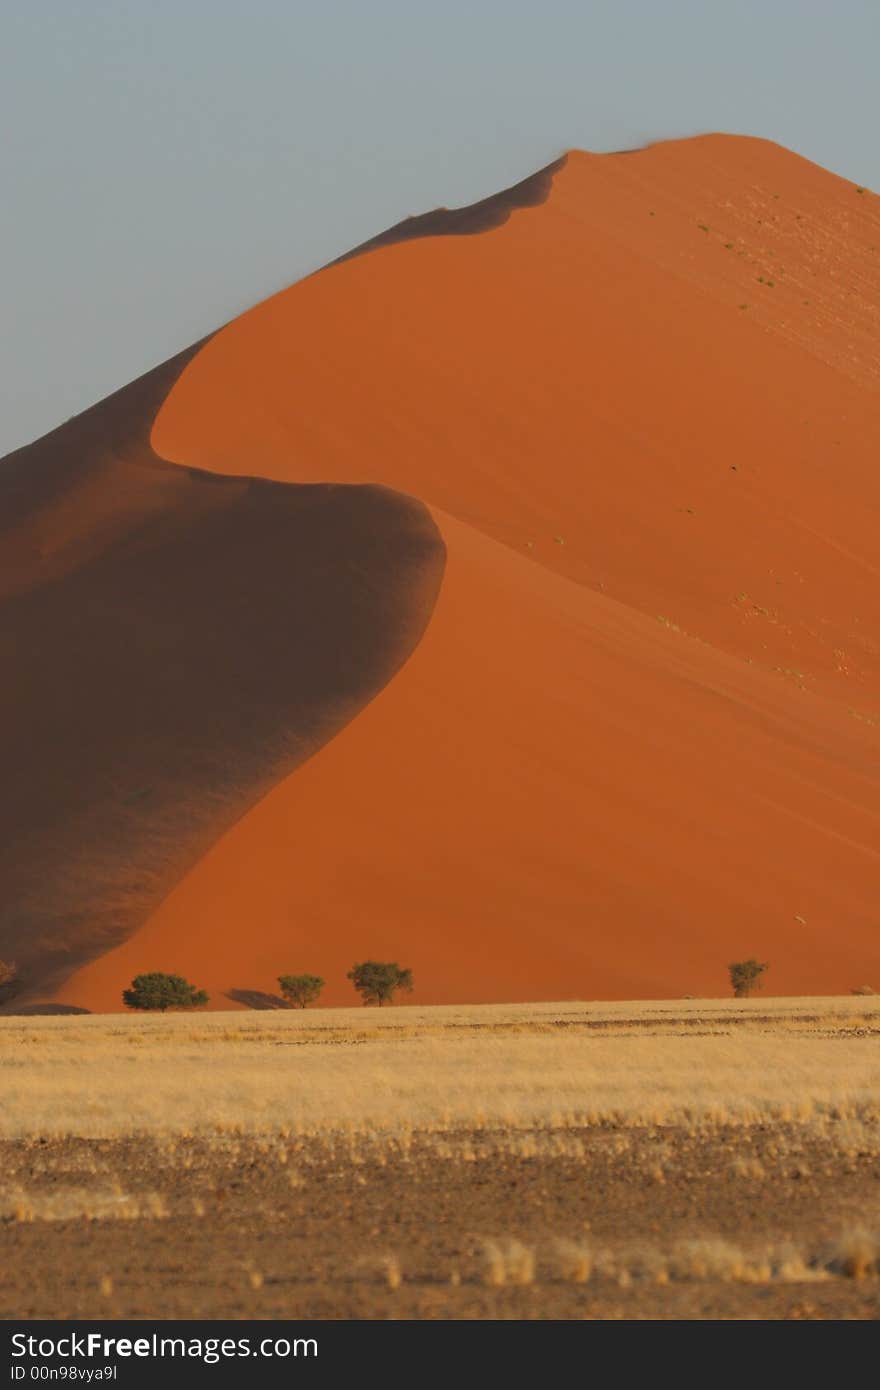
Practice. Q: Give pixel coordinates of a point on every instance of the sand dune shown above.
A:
(638, 732)
(581, 384)
(174, 643)
(554, 797)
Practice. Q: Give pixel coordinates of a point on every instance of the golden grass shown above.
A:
(508, 1262)
(714, 1259)
(575, 1260)
(85, 1203)
(391, 1271)
(519, 1068)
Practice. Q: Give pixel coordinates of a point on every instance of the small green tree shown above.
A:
(745, 975)
(377, 981)
(300, 990)
(159, 991)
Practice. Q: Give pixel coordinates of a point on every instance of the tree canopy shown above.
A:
(159, 991)
(378, 981)
(745, 975)
(300, 990)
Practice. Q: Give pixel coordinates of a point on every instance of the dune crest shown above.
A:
(582, 384)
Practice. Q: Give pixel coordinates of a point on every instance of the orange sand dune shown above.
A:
(172, 643)
(640, 733)
(581, 383)
(555, 798)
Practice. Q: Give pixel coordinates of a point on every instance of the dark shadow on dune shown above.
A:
(652, 142)
(257, 999)
(173, 643)
(467, 221)
(116, 430)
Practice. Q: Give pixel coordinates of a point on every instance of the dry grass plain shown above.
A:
(695, 1158)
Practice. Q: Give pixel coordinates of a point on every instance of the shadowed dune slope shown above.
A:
(651, 396)
(173, 643)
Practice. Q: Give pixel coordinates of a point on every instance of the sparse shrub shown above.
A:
(856, 1254)
(745, 976)
(508, 1262)
(863, 989)
(744, 1166)
(392, 1272)
(159, 991)
(300, 990)
(378, 981)
(575, 1260)
(712, 1257)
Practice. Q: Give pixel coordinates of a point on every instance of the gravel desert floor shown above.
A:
(695, 1159)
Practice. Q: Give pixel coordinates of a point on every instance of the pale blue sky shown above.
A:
(166, 163)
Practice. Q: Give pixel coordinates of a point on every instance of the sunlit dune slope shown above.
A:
(583, 383)
(554, 798)
(637, 733)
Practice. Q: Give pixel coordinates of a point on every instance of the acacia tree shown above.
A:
(745, 975)
(378, 981)
(300, 990)
(159, 991)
